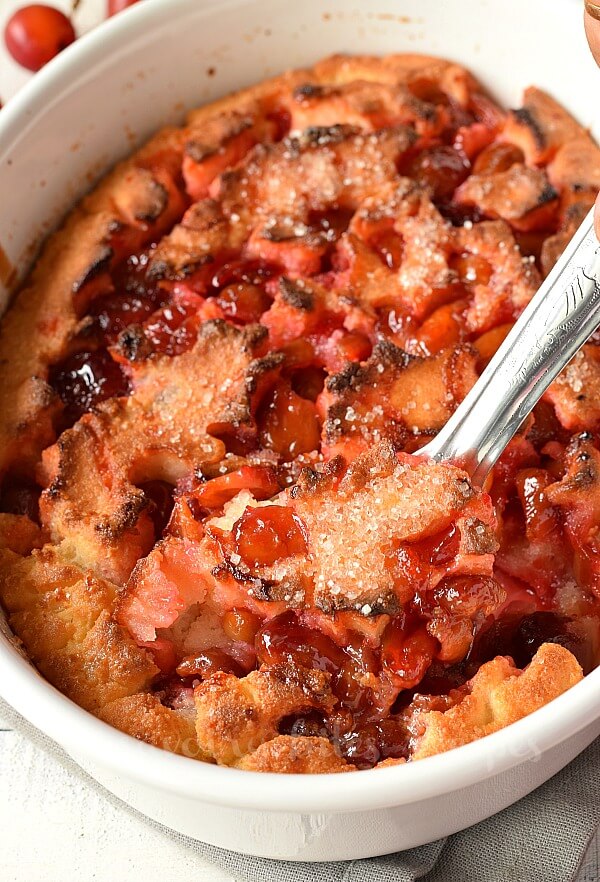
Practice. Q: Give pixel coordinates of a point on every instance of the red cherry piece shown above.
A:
(114, 6)
(259, 480)
(35, 34)
(289, 423)
(264, 535)
(406, 656)
(86, 379)
(284, 639)
(243, 303)
(442, 169)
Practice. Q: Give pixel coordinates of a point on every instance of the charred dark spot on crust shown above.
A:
(354, 375)
(261, 367)
(380, 460)
(384, 605)
(466, 488)
(125, 518)
(312, 480)
(100, 263)
(321, 136)
(308, 90)
(133, 344)
(586, 474)
(278, 592)
(315, 684)
(165, 269)
(253, 336)
(548, 194)
(347, 379)
(585, 477)
(160, 269)
(54, 490)
(158, 199)
(526, 118)
(280, 232)
(296, 294)
(249, 336)
(227, 569)
(427, 112)
(198, 151)
(57, 485)
(229, 178)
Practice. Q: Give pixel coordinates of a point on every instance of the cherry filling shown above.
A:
(261, 481)
(407, 653)
(160, 504)
(441, 169)
(208, 662)
(85, 379)
(20, 497)
(471, 269)
(284, 639)
(521, 636)
(133, 300)
(359, 726)
(242, 302)
(497, 157)
(172, 329)
(390, 248)
(264, 535)
(449, 626)
(241, 271)
(288, 423)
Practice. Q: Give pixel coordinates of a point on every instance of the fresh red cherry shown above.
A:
(35, 34)
(114, 6)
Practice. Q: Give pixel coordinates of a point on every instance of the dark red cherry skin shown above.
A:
(85, 379)
(35, 34)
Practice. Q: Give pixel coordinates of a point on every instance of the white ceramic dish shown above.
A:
(91, 106)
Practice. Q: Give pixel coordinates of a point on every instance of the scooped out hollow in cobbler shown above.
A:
(217, 532)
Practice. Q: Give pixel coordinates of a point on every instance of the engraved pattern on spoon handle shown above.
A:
(555, 324)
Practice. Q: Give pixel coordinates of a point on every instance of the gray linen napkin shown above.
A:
(543, 838)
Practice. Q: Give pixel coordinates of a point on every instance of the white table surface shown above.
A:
(54, 829)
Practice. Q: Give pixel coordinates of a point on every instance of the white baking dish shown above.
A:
(91, 106)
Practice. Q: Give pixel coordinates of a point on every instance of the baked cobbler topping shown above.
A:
(217, 532)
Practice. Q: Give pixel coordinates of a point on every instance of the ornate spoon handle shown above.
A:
(555, 324)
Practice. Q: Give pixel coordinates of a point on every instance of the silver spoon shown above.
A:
(555, 324)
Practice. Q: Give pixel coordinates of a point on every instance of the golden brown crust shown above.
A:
(356, 526)
(295, 755)
(499, 694)
(354, 123)
(518, 195)
(19, 534)
(45, 311)
(575, 394)
(404, 69)
(393, 393)
(541, 126)
(144, 717)
(161, 431)
(514, 279)
(235, 716)
(64, 619)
